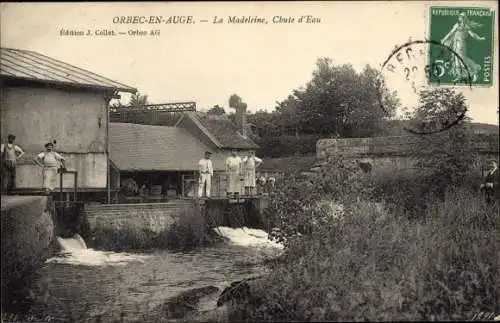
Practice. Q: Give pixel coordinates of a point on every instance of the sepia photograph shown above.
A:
(253, 161)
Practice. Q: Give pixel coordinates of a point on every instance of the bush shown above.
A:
(375, 266)
(426, 256)
(296, 207)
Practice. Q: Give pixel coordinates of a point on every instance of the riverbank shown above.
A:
(429, 257)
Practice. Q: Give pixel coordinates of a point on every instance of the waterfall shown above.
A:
(247, 237)
(72, 244)
(75, 252)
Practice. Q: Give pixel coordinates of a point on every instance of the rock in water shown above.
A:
(185, 302)
(237, 292)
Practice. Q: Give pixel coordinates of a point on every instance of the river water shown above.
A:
(82, 283)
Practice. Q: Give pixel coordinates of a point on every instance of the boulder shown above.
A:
(237, 292)
(186, 302)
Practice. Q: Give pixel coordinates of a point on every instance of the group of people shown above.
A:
(241, 173)
(49, 160)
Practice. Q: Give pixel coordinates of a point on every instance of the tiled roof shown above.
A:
(29, 65)
(224, 131)
(135, 147)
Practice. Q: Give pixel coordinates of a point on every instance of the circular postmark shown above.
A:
(414, 72)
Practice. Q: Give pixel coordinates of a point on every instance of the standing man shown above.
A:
(10, 154)
(491, 181)
(250, 163)
(233, 170)
(50, 161)
(206, 171)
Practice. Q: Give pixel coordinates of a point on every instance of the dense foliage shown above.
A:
(426, 250)
(302, 202)
(373, 263)
(377, 266)
(336, 102)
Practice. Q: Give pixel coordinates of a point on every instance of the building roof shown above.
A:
(223, 131)
(135, 147)
(32, 66)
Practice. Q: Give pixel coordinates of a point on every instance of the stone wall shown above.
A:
(155, 217)
(392, 153)
(27, 233)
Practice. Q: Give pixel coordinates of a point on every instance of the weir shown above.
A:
(234, 213)
(158, 217)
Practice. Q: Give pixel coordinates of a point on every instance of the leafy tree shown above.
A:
(445, 157)
(266, 123)
(339, 101)
(289, 116)
(438, 109)
(216, 110)
(137, 100)
(234, 101)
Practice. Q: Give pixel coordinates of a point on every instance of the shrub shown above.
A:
(377, 267)
(427, 256)
(295, 208)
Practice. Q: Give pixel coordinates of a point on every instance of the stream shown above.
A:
(83, 284)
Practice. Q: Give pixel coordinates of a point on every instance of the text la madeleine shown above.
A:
(240, 20)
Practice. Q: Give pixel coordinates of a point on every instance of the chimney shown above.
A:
(241, 119)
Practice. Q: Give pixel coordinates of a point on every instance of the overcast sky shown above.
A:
(206, 62)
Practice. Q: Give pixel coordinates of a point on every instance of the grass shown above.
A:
(374, 266)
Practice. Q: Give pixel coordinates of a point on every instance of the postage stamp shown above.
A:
(469, 34)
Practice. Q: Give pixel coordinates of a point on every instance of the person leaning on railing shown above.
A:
(490, 184)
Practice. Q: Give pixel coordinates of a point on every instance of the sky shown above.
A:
(207, 62)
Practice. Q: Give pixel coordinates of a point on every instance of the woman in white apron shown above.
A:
(233, 170)
(250, 163)
(50, 161)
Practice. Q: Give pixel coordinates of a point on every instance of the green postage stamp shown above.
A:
(465, 55)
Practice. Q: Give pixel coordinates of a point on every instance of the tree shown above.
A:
(437, 110)
(216, 110)
(445, 157)
(290, 116)
(137, 100)
(340, 101)
(266, 123)
(234, 101)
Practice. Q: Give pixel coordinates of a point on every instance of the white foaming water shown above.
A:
(75, 252)
(248, 237)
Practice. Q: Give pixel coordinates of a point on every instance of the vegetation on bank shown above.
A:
(431, 252)
(378, 266)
